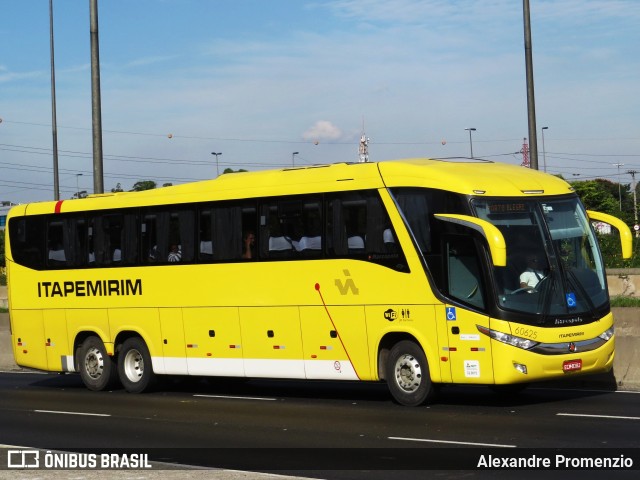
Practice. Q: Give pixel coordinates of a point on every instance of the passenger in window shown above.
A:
(248, 244)
(175, 253)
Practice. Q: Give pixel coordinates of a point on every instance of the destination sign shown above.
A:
(508, 207)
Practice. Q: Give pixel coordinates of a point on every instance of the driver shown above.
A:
(533, 274)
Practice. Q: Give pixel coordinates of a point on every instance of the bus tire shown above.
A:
(97, 368)
(407, 374)
(134, 366)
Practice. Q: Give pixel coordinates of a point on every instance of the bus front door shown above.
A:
(467, 352)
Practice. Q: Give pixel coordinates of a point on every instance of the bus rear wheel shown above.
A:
(134, 366)
(97, 368)
(407, 374)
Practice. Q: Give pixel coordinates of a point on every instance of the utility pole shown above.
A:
(635, 209)
(96, 102)
(531, 101)
(619, 190)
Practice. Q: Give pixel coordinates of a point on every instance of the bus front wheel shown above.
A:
(407, 374)
(97, 369)
(134, 366)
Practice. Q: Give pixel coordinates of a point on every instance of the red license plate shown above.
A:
(572, 365)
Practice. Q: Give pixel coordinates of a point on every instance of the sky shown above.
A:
(257, 80)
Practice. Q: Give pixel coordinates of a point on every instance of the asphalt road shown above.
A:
(340, 430)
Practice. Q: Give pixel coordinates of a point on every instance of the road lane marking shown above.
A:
(30, 372)
(589, 390)
(73, 413)
(238, 398)
(617, 417)
(452, 442)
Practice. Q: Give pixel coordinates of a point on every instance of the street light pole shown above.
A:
(293, 158)
(217, 167)
(635, 208)
(96, 102)
(471, 141)
(544, 152)
(619, 192)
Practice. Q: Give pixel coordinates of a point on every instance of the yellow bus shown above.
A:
(417, 272)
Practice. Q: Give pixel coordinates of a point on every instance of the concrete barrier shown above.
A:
(626, 366)
(6, 353)
(3, 297)
(624, 281)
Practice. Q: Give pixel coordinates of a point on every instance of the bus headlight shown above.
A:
(607, 334)
(519, 342)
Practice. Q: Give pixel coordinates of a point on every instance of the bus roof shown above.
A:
(465, 176)
(472, 177)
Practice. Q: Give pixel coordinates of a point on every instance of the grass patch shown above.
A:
(620, 301)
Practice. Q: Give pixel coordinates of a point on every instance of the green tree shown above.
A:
(231, 170)
(117, 188)
(602, 195)
(597, 195)
(143, 185)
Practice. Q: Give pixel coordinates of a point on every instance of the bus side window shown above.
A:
(464, 274)
(292, 227)
(181, 238)
(275, 243)
(227, 232)
(149, 238)
(56, 256)
(359, 227)
(205, 234)
(112, 239)
(77, 248)
(310, 224)
(27, 241)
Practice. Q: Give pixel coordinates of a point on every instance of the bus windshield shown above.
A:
(554, 268)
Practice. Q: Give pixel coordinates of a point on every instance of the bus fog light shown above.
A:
(520, 367)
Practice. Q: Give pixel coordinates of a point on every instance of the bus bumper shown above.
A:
(514, 365)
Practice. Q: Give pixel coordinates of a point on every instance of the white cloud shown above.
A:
(322, 130)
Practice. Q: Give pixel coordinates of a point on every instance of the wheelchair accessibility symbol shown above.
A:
(451, 314)
(571, 300)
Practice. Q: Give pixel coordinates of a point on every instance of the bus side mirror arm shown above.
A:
(626, 240)
(490, 232)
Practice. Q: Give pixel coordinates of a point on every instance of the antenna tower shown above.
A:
(363, 148)
(525, 154)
